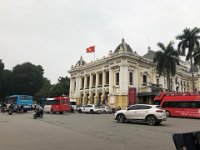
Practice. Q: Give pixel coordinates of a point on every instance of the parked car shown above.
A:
(150, 114)
(106, 109)
(89, 108)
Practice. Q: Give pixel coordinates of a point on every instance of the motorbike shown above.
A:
(71, 110)
(3, 109)
(10, 109)
(19, 110)
(38, 113)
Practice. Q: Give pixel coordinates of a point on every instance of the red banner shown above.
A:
(132, 96)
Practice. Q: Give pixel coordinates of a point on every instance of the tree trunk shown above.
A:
(168, 83)
(192, 71)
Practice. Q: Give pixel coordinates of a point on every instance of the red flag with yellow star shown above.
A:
(90, 49)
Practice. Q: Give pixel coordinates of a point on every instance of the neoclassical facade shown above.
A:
(109, 80)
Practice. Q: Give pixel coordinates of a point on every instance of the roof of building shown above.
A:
(123, 47)
(81, 62)
(150, 54)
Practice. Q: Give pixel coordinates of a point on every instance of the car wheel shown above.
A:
(121, 118)
(80, 111)
(151, 120)
(91, 111)
(168, 114)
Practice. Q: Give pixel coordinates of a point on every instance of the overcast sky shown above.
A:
(55, 33)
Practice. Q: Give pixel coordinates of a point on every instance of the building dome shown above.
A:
(81, 62)
(123, 47)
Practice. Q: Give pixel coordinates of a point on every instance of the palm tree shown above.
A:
(166, 60)
(197, 56)
(189, 39)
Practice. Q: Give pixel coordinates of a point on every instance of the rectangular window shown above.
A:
(94, 80)
(157, 81)
(144, 79)
(82, 83)
(100, 79)
(74, 86)
(88, 82)
(131, 78)
(107, 77)
(117, 78)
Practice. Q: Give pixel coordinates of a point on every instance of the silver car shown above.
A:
(106, 109)
(89, 108)
(150, 114)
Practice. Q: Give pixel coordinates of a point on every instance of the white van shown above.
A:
(73, 103)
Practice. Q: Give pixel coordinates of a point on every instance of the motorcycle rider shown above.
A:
(11, 109)
(4, 107)
(71, 109)
(39, 111)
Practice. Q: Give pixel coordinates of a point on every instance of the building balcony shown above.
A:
(150, 87)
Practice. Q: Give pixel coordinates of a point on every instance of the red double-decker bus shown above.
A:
(59, 104)
(179, 104)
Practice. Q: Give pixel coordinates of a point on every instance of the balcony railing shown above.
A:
(150, 87)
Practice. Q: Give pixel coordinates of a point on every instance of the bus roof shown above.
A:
(62, 97)
(49, 99)
(177, 96)
(57, 98)
(182, 98)
(18, 95)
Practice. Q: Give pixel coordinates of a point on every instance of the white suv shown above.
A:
(151, 114)
(89, 108)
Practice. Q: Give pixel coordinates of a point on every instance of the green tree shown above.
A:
(1, 65)
(44, 91)
(166, 61)
(27, 78)
(1, 79)
(189, 39)
(62, 87)
(6, 83)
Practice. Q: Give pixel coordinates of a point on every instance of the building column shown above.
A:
(111, 84)
(84, 87)
(124, 79)
(90, 89)
(71, 88)
(135, 79)
(96, 86)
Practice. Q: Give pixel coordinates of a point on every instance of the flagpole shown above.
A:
(94, 55)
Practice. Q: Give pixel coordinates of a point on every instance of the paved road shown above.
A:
(87, 132)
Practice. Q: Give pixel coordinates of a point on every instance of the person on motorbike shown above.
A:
(11, 109)
(22, 108)
(4, 107)
(71, 109)
(39, 110)
(11, 106)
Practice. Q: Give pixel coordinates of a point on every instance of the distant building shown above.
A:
(111, 79)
